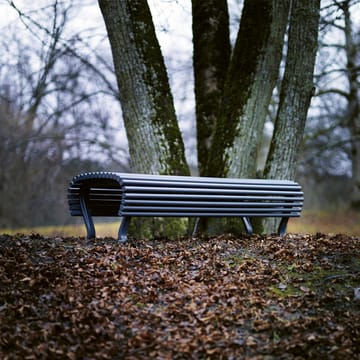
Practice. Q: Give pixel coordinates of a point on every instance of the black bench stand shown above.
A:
(128, 195)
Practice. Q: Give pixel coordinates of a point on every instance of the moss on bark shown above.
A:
(154, 137)
(211, 61)
(249, 67)
(295, 95)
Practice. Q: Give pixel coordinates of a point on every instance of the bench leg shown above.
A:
(247, 223)
(282, 226)
(89, 224)
(196, 226)
(123, 229)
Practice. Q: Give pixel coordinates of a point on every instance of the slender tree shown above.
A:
(296, 92)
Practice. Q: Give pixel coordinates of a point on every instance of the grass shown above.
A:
(103, 229)
(310, 222)
(339, 222)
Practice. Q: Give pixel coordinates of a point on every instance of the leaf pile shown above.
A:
(218, 298)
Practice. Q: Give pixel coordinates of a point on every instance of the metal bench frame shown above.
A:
(140, 195)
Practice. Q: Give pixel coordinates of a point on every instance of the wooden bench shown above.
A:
(140, 195)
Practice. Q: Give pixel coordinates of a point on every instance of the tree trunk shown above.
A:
(296, 92)
(211, 60)
(154, 137)
(252, 75)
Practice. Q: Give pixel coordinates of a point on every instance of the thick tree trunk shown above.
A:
(155, 141)
(154, 137)
(252, 75)
(296, 92)
(211, 60)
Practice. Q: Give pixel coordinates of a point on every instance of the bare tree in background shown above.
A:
(49, 114)
(332, 136)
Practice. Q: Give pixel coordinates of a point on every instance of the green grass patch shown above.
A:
(104, 229)
(314, 221)
(310, 222)
(318, 281)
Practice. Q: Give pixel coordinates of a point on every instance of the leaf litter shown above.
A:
(259, 297)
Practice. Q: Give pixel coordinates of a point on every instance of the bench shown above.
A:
(140, 195)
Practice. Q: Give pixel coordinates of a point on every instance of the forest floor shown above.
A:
(258, 297)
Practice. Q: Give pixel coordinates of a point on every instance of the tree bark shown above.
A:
(295, 95)
(155, 142)
(296, 90)
(211, 60)
(252, 75)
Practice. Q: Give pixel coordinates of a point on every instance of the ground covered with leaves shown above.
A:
(219, 298)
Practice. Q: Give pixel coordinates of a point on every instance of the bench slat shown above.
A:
(196, 197)
(172, 209)
(211, 214)
(124, 177)
(212, 203)
(191, 184)
(180, 190)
